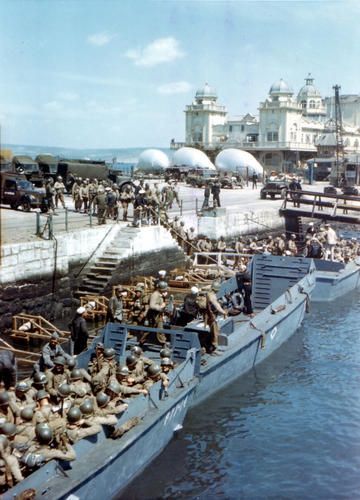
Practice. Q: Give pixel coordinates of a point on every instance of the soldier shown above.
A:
(92, 190)
(39, 381)
(96, 360)
(26, 429)
(291, 245)
(212, 308)
(44, 448)
(100, 203)
(79, 331)
(43, 411)
(56, 377)
(50, 350)
(66, 398)
(221, 244)
(75, 191)
(138, 308)
(207, 189)
(49, 194)
(113, 390)
(126, 197)
(8, 369)
(207, 247)
(155, 374)
(115, 306)
(123, 376)
(140, 206)
(84, 195)
(136, 369)
(182, 236)
(190, 242)
(78, 427)
(103, 414)
(10, 472)
(23, 396)
(78, 386)
(107, 371)
(190, 309)
(8, 410)
(59, 187)
(156, 311)
(215, 191)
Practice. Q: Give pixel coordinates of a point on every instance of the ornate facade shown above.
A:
(285, 133)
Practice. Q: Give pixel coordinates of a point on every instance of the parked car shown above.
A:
(273, 188)
(17, 191)
(330, 190)
(350, 190)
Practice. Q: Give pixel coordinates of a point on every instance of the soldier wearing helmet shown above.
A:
(80, 422)
(13, 473)
(59, 188)
(190, 309)
(108, 370)
(56, 376)
(96, 360)
(43, 450)
(155, 314)
(26, 428)
(78, 386)
(8, 410)
(138, 307)
(155, 374)
(126, 382)
(105, 410)
(213, 308)
(23, 395)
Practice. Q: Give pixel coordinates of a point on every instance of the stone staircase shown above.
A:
(98, 275)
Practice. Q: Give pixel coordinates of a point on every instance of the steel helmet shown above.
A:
(76, 374)
(8, 429)
(165, 352)
(162, 285)
(64, 390)
(44, 434)
(22, 386)
(27, 413)
(136, 350)
(74, 414)
(71, 363)
(59, 178)
(215, 286)
(114, 386)
(153, 370)
(166, 362)
(42, 394)
(87, 407)
(59, 360)
(4, 398)
(109, 353)
(122, 371)
(102, 399)
(194, 290)
(131, 360)
(40, 378)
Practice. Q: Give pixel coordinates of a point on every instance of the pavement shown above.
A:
(17, 226)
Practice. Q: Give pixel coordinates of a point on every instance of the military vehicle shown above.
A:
(273, 188)
(17, 192)
(48, 165)
(29, 168)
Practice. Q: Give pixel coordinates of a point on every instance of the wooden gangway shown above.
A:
(323, 206)
(27, 326)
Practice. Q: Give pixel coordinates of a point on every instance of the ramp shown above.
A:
(273, 275)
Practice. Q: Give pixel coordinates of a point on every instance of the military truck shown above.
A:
(27, 166)
(273, 188)
(17, 191)
(48, 165)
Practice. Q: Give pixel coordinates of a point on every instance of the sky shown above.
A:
(119, 73)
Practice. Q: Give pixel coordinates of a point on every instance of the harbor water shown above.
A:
(288, 430)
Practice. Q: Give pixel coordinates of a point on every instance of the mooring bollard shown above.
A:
(37, 223)
(66, 220)
(90, 217)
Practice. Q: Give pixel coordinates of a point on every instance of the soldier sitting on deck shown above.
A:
(108, 370)
(10, 472)
(50, 350)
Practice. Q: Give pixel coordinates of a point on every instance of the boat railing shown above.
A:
(215, 258)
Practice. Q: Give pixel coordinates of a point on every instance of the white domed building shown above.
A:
(238, 161)
(310, 100)
(152, 160)
(191, 158)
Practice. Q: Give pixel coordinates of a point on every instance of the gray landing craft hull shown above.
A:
(254, 341)
(333, 280)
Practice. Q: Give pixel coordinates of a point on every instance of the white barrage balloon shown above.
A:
(239, 161)
(152, 160)
(191, 158)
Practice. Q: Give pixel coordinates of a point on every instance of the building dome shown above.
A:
(239, 161)
(308, 90)
(152, 160)
(280, 88)
(191, 158)
(206, 92)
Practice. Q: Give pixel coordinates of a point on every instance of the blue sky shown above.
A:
(103, 73)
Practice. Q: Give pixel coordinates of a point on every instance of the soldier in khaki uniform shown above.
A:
(156, 311)
(59, 187)
(8, 410)
(44, 448)
(56, 376)
(78, 386)
(96, 360)
(108, 371)
(155, 374)
(79, 428)
(25, 429)
(10, 472)
(22, 396)
(212, 308)
(127, 388)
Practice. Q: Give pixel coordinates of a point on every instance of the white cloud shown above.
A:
(162, 50)
(99, 39)
(174, 88)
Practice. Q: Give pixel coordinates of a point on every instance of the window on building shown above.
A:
(312, 104)
(303, 104)
(230, 128)
(272, 136)
(242, 128)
